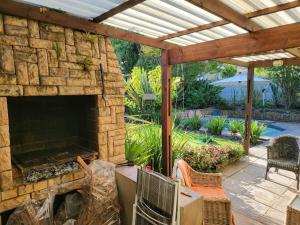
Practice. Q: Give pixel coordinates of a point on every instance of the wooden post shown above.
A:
(248, 112)
(166, 110)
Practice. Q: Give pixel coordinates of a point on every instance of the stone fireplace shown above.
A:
(61, 96)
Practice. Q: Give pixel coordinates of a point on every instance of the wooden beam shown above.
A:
(120, 8)
(33, 12)
(233, 62)
(282, 37)
(248, 112)
(269, 63)
(274, 9)
(166, 114)
(222, 10)
(193, 30)
(294, 51)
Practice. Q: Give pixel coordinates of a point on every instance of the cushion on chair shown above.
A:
(283, 163)
(209, 192)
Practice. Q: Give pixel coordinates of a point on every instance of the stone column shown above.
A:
(6, 181)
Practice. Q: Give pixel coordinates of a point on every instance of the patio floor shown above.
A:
(257, 201)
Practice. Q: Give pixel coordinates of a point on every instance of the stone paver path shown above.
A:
(255, 199)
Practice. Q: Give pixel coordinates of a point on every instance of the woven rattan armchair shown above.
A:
(283, 153)
(157, 199)
(217, 206)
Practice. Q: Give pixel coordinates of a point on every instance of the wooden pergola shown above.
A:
(240, 32)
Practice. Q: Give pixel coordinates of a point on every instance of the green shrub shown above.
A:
(256, 131)
(193, 123)
(135, 153)
(235, 126)
(211, 158)
(177, 118)
(216, 125)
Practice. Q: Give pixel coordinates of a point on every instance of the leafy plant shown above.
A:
(193, 123)
(256, 131)
(211, 158)
(58, 50)
(87, 63)
(90, 37)
(177, 118)
(216, 125)
(235, 126)
(135, 153)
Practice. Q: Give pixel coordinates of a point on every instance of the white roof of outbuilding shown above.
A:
(240, 79)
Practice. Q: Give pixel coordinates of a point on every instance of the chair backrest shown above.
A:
(287, 147)
(182, 170)
(159, 194)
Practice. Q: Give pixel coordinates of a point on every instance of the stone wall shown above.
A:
(257, 114)
(39, 59)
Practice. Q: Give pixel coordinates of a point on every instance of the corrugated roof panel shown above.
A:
(247, 6)
(279, 18)
(82, 8)
(270, 56)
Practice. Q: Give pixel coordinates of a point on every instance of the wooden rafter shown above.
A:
(233, 62)
(193, 30)
(122, 7)
(269, 63)
(222, 10)
(282, 37)
(294, 51)
(262, 12)
(33, 12)
(274, 9)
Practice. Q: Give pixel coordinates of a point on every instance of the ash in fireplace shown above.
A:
(56, 170)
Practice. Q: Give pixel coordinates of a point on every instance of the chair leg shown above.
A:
(276, 170)
(297, 178)
(267, 170)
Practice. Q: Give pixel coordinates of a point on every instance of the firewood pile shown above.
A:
(96, 205)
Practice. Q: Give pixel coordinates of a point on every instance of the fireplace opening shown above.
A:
(48, 133)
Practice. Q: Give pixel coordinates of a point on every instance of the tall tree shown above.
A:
(288, 79)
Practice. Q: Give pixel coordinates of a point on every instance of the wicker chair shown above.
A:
(156, 200)
(217, 206)
(283, 153)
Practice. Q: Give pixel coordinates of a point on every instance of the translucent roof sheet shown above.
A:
(271, 56)
(219, 32)
(83, 8)
(158, 18)
(279, 18)
(247, 6)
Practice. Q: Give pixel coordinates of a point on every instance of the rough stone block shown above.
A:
(40, 185)
(6, 181)
(7, 60)
(78, 174)
(43, 62)
(117, 159)
(11, 90)
(33, 74)
(84, 51)
(40, 195)
(5, 159)
(69, 36)
(62, 47)
(13, 203)
(70, 49)
(25, 189)
(53, 80)
(52, 28)
(52, 58)
(39, 43)
(16, 21)
(1, 27)
(67, 178)
(59, 72)
(120, 149)
(24, 49)
(78, 82)
(54, 181)
(40, 91)
(22, 73)
(33, 27)
(70, 90)
(70, 65)
(95, 50)
(53, 36)
(92, 90)
(117, 132)
(16, 30)
(4, 136)
(13, 40)
(25, 57)
(103, 152)
(79, 74)
(3, 111)
(9, 194)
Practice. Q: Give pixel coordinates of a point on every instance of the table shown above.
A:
(191, 207)
(293, 211)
